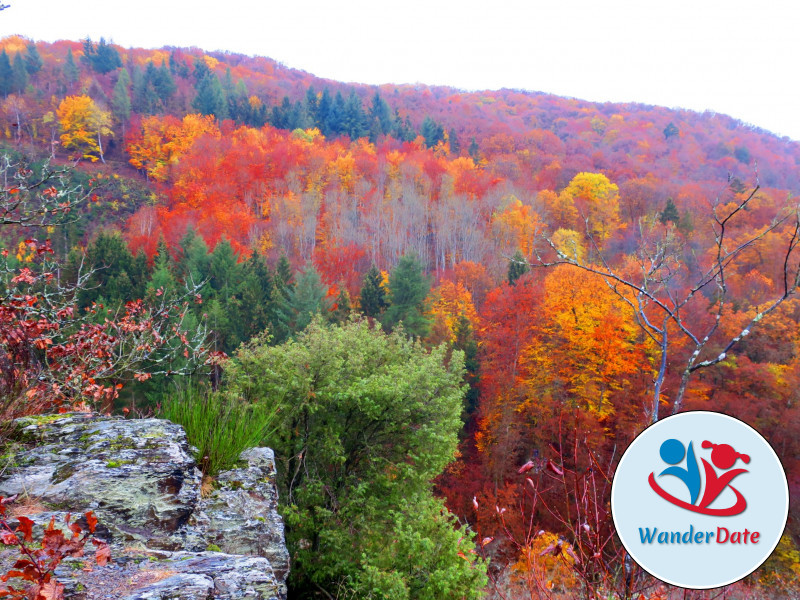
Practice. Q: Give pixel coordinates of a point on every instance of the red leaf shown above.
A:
(103, 553)
(51, 591)
(9, 539)
(91, 521)
(26, 528)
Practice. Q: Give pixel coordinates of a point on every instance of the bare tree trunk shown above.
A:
(658, 263)
(662, 371)
(100, 146)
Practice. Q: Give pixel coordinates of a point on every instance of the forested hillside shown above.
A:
(560, 273)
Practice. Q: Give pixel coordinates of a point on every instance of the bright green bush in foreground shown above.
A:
(366, 421)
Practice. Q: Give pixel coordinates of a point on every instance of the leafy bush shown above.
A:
(220, 425)
(368, 419)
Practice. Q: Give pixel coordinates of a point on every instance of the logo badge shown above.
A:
(723, 456)
(700, 500)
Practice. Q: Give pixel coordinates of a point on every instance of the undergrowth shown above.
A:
(221, 426)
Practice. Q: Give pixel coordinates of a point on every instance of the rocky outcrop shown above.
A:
(240, 516)
(162, 575)
(139, 478)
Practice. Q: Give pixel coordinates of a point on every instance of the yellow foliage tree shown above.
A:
(83, 125)
(597, 200)
(570, 243)
(451, 302)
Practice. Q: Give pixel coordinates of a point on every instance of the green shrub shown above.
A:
(368, 420)
(220, 425)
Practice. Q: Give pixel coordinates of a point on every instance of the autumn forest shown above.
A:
(451, 310)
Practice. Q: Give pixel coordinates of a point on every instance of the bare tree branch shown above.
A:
(657, 266)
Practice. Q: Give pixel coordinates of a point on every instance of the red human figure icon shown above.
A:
(724, 457)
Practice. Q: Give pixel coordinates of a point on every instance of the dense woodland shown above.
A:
(439, 298)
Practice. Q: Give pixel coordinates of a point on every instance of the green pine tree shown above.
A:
(71, 71)
(201, 71)
(307, 298)
(373, 296)
(355, 121)
(337, 116)
(281, 116)
(19, 75)
(116, 276)
(282, 291)
(408, 293)
(323, 113)
(224, 271)
(380, 118)
(219, 322)
(6, 74)
(670, 213)
(162, 278)
(144, 99)
(455, 145)
(238, 102)
(402, 129)
(193, 261)
(210, 98)
(432, 131)
(33, 60)
(254, 298)
(121, 99)
(474, 150)
(139, 274)
(312, 106)
(102, 58)
(227, 83)
(284, 276)
(670, 131)
(177, 65)
(163, 84)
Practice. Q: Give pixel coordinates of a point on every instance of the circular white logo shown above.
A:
(700, 500)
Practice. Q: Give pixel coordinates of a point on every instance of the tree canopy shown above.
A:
(369, 419)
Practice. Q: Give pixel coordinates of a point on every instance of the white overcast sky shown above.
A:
(734, 57)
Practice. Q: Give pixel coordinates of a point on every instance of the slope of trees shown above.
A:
(501, 225)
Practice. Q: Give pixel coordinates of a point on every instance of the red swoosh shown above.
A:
(737, 508)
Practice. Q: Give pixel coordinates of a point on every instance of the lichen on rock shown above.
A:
(140, 479)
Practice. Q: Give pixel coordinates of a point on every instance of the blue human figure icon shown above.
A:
(672, 453)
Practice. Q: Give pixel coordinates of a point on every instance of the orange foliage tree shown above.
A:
(160, 141)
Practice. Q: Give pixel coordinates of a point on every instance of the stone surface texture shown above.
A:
(139, 478)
